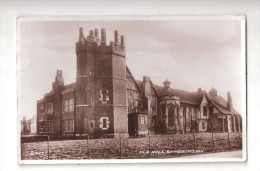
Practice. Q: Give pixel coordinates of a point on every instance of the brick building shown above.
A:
(107, 99)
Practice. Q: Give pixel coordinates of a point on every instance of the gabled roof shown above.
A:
(131, 75)
(221, 104)
(140, 84)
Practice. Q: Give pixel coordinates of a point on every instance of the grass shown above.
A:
(154, 146)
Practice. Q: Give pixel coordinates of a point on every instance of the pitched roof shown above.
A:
(140, 84)
(221, 104)
(194, 98)
(185, 96)
(131, 75)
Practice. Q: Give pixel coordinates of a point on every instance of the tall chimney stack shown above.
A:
(116, 37)
(96, 32)
(58, 73)
(91, 33)
(59, 78)
(103, 36)
(229, 101)
(122, 41)
(81, 32)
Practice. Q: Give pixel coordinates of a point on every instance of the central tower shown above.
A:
(101, 84)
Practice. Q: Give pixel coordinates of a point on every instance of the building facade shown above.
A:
(107, 99)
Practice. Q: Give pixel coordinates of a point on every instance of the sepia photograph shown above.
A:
(131, 89)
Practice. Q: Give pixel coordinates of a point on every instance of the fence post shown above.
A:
(228, 141)
(48, 147)
(212, 140)
(173, 141)
(120, 145)
(88, 146)
(149, 146)
(194, 139)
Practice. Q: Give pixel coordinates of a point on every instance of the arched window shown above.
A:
(170, 115)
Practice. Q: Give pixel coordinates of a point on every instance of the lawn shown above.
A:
(153, 146)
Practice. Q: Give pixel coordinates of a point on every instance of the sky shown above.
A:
(190, 53)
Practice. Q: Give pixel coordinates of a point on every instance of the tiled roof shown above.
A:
(217, 99)
(221, 108)
(193, 97)
(185, 96)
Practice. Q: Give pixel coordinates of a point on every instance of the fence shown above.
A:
(151, 146)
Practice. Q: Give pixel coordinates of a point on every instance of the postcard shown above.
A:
(131, 89)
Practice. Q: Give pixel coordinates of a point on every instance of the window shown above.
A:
(48, 108)
(205, 111)
(46, 127)
(51, 107)
(142, 120)
(193, 114)
(203, 125)
(104, 123)
(92, 124)
(68, 125)
(170, 115)
(211, 110)
(71, 104)
(42, 117)
(68, 105)
(42, 106)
